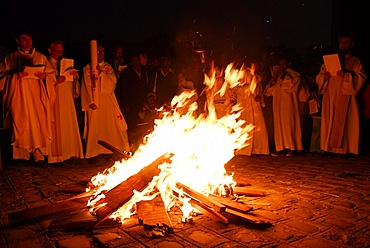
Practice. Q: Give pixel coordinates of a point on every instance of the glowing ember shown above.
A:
(201, 146)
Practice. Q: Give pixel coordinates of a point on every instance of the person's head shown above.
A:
(345, 44)
(143, 59)
(24, 40)
(134, 61)
(165, 61)
(118, 53)
(56, 50)
(284, 63)
(182, 76)
(101, 53)
(151, 98)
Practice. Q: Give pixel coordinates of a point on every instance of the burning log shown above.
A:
(153, 217)
(208, 211)
(122, 193)
(225, 207)
(84, 219)
(75, 203)
(122, 154)
(202, 198)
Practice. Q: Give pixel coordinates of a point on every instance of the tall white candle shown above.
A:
(95, 82)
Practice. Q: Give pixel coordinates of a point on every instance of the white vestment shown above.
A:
(66, 141)
(252, 113)
(26, 103)
(285, 105)
(337, 89)
(107, 122)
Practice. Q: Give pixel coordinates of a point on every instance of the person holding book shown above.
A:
(27, 80)
(340, 121)
(66, 140)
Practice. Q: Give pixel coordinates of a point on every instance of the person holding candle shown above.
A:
(103, 117)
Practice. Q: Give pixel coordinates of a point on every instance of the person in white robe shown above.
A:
(66, 136)
(27, 81)
(340, 121)
(285, 104)
(103, 121)
(249, 97)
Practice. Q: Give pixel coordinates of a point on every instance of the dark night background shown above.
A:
(237, 26)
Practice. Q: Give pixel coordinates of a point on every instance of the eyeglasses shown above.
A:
(101, 51)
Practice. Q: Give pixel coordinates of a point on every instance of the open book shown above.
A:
(33, 69)
(332, 63)
(66, 67)
(274, 70)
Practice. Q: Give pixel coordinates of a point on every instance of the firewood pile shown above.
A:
(73, 213)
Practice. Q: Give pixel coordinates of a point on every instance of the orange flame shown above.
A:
(201, 145)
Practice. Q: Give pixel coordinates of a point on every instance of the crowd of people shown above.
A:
(43, 96)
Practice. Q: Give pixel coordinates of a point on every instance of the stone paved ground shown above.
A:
(311, 201)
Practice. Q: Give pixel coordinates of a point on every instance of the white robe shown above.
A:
(65, 131)
(285, 105)
(332, 90)
(107, 122)
(252, 114)
(26, 102)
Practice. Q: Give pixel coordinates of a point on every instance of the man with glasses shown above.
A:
(66, 141)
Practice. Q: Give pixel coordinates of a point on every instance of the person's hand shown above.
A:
(40, 75)
(73, 73)
(145, 107)
(93, 106)
(327, 75)
(22, 74)
(61, 79)
(340, 73)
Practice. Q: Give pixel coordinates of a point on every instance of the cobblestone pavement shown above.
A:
(311, 201)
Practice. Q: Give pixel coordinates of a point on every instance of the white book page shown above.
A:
(332, 63)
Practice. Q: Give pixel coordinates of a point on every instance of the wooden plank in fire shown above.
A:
(123, 192)
(122, 154)
(153, 217)
(114, 198)
(202, 198)
(79, 219)
(248, 192)
(229, 203)
(206, 210)
(39, 212)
